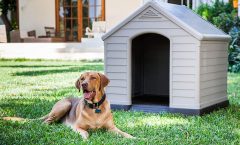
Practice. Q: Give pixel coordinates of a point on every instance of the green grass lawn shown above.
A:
(30, 88)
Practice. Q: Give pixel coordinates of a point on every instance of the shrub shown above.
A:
(209, 12)
(224, 21)
(234, 50)
(224, 16)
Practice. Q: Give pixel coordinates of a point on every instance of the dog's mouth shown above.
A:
(89, 95)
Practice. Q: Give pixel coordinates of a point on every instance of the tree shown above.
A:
(5, 7)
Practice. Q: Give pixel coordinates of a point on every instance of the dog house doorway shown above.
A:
(150, 69)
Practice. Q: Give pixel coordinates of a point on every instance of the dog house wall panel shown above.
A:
(195, 54)
(166, 32)
(122, 99)
(153, 25)
(213, 69)
(177, 71)
(184, 102)
(116, 69)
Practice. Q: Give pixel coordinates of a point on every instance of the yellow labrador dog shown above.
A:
(92, 111)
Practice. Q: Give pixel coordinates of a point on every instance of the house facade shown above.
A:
(70, 18)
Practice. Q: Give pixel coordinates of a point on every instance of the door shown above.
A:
(93, 10)
(68, 19)
(74, 16)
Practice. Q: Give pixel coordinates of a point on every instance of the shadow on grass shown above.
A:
(25, 107)
(54, 71)
(36, 104)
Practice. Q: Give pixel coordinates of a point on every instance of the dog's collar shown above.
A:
(96, 105)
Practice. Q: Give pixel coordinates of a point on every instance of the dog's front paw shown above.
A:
(129, 136)
(82, 132)
(84, 135)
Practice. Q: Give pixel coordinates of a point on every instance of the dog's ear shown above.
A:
(103, 81)
(78, 84)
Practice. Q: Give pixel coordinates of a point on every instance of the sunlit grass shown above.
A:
(29, 88)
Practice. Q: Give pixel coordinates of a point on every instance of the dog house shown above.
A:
(164, 57)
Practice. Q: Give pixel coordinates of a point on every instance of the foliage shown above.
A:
(224, 16)
(30, 88)
(225, 21)
(234, 50)
(210, 11)
(14, 25)
(7, 5)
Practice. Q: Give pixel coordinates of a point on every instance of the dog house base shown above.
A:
(159, 108)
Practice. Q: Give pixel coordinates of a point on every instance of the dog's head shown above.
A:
(91, 83)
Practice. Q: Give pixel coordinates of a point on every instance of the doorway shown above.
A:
(150, 69)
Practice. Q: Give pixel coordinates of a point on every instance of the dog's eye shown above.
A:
(93, 78)
(82, 79)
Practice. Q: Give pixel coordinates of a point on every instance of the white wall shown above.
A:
(145, 1)
(117, 10)
(3, 35)
(35, 14)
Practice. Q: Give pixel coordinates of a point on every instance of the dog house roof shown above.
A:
(183, 17)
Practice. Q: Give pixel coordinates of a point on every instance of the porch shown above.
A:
(89, 48)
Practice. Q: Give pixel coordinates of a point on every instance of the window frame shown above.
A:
(81, 30)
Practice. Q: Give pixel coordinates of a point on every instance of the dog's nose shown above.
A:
(84, 85)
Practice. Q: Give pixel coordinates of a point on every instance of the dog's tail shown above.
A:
(14, 119)
(24, 119)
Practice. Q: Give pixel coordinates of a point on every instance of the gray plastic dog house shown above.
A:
(164, 57)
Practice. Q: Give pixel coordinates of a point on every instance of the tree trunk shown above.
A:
(7, 25)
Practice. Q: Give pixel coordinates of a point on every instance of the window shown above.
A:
(187, 3)
(73, 16)
(68, 19)
(93, 10)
